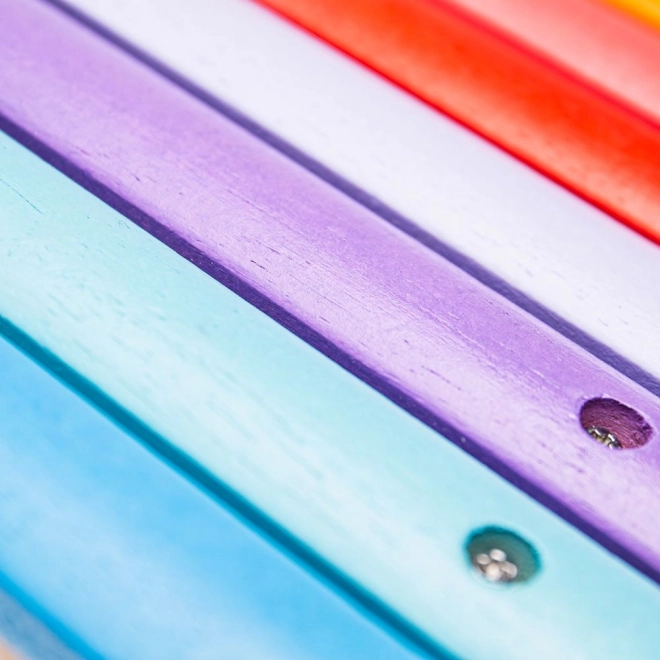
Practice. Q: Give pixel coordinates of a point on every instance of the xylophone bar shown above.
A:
(356, 486)
(504, 223)
(577, 137)
(603, 48)
(127, 559)
(463, 359)
(241, 398)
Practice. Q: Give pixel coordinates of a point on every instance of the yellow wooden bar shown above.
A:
(647, 10)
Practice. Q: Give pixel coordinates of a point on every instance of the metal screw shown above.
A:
(495, 566)
(604, 436)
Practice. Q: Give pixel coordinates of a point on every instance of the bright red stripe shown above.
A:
(567, 130)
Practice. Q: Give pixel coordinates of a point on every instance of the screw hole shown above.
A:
(614, 424)
(501, 557)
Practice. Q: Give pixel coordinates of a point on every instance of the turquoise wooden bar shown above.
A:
(370, 494)
(124, 558)
(498, 382)
(515, 230)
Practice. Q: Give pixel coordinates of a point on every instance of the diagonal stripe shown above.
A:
(593, 42)
(647, 10)
(378, 497)
(464, 360)
(584, 141)
(513, 229)
(127, 559)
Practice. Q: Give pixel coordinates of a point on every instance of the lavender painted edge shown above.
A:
(364, 495)
(404, 160)
(436, 337)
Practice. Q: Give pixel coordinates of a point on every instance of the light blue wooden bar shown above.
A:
(383, 499)
(125, 558)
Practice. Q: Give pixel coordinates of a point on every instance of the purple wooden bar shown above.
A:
(462, 358)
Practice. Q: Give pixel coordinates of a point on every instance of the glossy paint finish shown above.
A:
(127, 559)
(379, 497)
(437, 180)
(577, 137)
(590, 40)
(502, 384)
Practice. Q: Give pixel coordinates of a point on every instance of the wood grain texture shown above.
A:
(413, 163)
(127, 559)
(506, 386)
(599, 45)
(374, 492)
(577, 137)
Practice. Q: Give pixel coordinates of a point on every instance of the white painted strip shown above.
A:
(540, 239)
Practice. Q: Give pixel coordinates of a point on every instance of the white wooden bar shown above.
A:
(553, 253)
(373, 494)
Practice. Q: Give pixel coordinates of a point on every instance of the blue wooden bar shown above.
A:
(380, 498)
(124, 558)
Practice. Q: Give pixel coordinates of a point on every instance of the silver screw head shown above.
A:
(495, 566)
(605, 437)
(500, 556)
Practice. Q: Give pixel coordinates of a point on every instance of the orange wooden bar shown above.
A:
(537, 111)
(647, 10)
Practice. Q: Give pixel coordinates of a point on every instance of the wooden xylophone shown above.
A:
(328, 329)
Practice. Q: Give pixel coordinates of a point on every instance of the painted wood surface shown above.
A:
(647, 10)
(564, 129)
(539, 242)
(127, 559)
(375, 495)
(608, 49)
(466, 361)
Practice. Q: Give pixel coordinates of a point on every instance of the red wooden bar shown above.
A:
(550, 120)
(465, 360)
